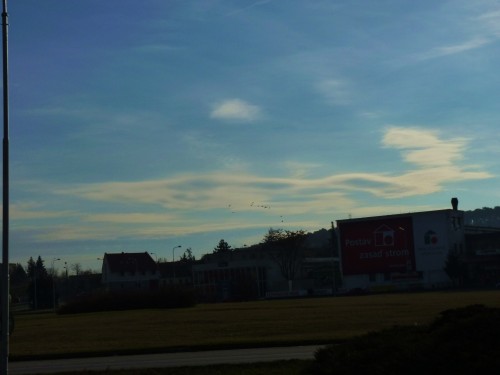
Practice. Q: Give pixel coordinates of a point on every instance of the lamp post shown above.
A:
(4, 313)
(173, 260)
(334, 247)
(54, 283)
(35, 293)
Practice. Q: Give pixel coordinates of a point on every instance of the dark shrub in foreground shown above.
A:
(130, 300)
(459, 341)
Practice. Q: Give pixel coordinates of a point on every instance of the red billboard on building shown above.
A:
(379, 245)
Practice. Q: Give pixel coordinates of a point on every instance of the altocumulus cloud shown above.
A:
(235, 109)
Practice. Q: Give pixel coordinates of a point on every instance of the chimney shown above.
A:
(454, 203)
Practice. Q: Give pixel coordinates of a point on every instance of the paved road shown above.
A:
(163, 360)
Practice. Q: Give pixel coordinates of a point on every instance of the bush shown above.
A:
(130, 300)
(459, 341)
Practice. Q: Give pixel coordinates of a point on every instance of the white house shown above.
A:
(121, 271)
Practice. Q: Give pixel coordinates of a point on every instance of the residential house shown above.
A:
(125, 271)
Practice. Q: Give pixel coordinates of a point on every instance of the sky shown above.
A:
(148, 125)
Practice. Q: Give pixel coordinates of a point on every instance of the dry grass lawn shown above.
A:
(257, 323)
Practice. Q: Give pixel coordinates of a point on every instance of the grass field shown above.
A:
(228, 325)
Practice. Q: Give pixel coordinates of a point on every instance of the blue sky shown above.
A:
(144, 125)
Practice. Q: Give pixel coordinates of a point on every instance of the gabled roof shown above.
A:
(130, 262)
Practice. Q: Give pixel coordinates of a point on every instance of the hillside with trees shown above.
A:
(483, 217)
(480, 217)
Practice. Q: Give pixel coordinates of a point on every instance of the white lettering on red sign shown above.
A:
(358, 242)
(384, 254)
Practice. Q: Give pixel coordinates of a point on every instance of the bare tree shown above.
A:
(286, 249)
(77, 268)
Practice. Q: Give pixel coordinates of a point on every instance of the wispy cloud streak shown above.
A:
(236, 110)
(433, 161)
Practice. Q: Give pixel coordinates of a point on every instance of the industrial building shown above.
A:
(402, 251)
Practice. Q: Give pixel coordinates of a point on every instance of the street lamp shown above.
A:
(173, 260)
(156, 258)
(54, 283)
(53, 269)
(173, 252)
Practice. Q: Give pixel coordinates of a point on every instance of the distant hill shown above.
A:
(480, 217)
(483, 217)
(318, 239)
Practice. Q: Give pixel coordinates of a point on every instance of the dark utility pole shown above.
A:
(5, 217)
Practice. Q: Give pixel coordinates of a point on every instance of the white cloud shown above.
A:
(204, 148)
(435, 161)
(34, 211)
(454, 49)
(425, 148)
(214, 201)
(300, 169)
(252, 5)
(131, 218)
(235, 109)
(337, 92)
(490, 22)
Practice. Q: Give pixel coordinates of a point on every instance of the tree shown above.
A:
(40, 287)
(77, 268)
(454, 267)
(187, 256)
(17, 274)
(31, 268)
(286, 248)
(222, 247)
(87, 272)
(41, 271)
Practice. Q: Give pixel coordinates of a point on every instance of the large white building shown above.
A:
(399, 251)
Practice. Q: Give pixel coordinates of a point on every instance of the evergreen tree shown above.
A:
(40, 287)
(188, 256)
(41, 271)
(17, 274)
(222, 247)
(31, 268)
